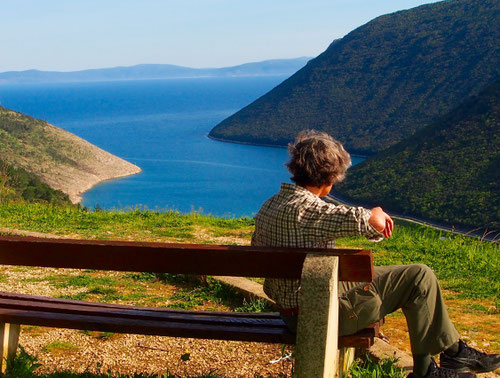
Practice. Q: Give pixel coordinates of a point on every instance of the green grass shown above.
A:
(59, 345)
(463, 264)
(143, 224)
(384, 368)
(194, 294)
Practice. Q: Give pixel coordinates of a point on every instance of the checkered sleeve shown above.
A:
(328, 221)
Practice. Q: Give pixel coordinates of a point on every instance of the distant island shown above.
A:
(272, 67)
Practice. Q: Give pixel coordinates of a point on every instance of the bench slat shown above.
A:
(222, 260)
(166, 315)
(54, 312)
(42, 300)
(147, 327)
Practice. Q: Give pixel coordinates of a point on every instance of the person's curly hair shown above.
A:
(317, 159)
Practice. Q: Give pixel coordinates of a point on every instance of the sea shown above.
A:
(162, 126)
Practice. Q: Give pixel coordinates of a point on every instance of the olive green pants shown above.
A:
(414, 289)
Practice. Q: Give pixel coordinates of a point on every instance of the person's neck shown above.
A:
(319, 191)
(314, 190)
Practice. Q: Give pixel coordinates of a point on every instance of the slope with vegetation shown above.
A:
(17, 183)
(58, 158)
(448, 171)
(381, 82)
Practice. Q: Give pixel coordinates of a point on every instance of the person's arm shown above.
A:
(326, 221)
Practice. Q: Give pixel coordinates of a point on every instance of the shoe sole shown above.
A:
(466, 369)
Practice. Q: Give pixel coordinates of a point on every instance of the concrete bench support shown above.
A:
(317, 330)
(9, 334)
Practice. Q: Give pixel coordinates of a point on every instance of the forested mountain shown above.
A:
(33, 152)
(448, 171)
(383, 81)
(156, 71)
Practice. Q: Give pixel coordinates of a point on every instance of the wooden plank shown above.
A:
(275, 334)
(165, 316)
(223, 260)
(278, 334)
(42, 300)
(116, 318)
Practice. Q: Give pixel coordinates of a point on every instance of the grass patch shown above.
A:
(255, 305)
(480, 308)
(385, 368)
(144, 224)
(193, 295)
(99, 335)
(59, 346)
(82, 296)
(81, 280)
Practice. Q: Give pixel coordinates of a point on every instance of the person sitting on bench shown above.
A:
(298, 217)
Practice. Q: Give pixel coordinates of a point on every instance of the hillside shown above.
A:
(381, 82)
(17, 183)
(156, 71)
(448, 171)
(58, 158)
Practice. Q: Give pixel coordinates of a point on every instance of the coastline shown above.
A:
(245, 143)
(76, 196)
(86, 165)
(266, 145)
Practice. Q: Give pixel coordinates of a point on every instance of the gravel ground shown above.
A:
(149, 354)
(78, 351)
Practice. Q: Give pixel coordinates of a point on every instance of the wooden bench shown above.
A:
(320, 269)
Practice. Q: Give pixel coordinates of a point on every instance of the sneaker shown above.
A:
(470, 359)
(439, 372)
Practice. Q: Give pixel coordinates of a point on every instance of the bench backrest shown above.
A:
(222, 260)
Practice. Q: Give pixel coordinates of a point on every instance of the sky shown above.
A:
(68, 35)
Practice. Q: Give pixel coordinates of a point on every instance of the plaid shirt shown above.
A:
(295, 217)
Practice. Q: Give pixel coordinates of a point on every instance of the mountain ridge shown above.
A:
(447, 171)
(382, 81)
(156, 71)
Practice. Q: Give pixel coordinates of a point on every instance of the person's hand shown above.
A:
(381, 222)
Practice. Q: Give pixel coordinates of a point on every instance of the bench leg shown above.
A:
(346, 358)
(318, 323)
(9, 339)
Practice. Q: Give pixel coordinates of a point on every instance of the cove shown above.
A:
(162, 126)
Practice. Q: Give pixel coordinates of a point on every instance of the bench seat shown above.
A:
(63, 313)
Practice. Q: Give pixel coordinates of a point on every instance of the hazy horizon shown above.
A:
(159, 64)
(57, 35)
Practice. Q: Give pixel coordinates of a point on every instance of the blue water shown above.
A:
(162, 126)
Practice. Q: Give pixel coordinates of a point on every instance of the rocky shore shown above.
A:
(93, 166)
